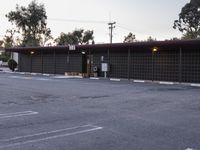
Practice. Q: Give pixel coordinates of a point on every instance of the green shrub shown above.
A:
(5, 56)
(12, 64)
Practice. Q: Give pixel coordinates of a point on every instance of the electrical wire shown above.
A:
(76, 20)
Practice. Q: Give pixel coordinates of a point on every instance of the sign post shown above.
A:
(104, 68)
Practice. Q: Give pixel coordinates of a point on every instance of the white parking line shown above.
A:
(43, 136)
(17, 114)
(195, 85)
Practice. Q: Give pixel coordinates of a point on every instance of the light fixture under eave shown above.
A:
(155, 49)
(83, 53)
(32, 52)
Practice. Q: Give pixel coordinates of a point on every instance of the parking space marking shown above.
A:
(17, 114)
(195, 85)
(43, 136)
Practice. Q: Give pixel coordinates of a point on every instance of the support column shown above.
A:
(31, 63)
(128, 73)
(180, 65)
(108, 73)
(20, 62)
(152, 71)
(54, 57)
(42, 61)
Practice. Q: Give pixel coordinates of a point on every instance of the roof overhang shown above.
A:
(135, 45)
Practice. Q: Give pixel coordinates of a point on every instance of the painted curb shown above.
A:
(112, 79)
(94, 78)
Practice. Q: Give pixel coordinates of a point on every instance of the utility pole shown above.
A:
(111, 27)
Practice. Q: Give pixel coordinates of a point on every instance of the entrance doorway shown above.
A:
(87, 65)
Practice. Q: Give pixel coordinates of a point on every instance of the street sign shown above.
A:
(104, 67)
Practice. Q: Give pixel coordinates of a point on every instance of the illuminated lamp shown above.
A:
(155, 49)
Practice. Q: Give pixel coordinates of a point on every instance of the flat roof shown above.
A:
(142, 45)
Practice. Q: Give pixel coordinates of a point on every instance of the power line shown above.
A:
(123, 26)
(78, 21)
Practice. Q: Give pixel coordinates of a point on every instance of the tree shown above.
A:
(195, 2)
(129, 38)
(31, 23)
(78, 36)
(87, 37)
(151, 39)
(189, 21)
(9, 40)
(1, 43)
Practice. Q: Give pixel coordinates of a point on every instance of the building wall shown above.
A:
(118, 64)
(24, 63)
(37, 63)
(191, 65)
(141, 64)
(48, 63)
(167, 64)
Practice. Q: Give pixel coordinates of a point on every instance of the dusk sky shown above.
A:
(142, 17)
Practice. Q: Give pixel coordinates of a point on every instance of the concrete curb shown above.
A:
(115, 79)
(166, 83)
(94, 78)
(110, 79)
(68, 77)
(139, 81)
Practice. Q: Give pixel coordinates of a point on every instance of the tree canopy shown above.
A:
(151, 39)
(78, 36)
(189, 21)
(1, 43)
(31, 23)
(195, 2)
(129, 38)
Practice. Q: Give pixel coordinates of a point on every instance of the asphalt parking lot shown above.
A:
(45, 113)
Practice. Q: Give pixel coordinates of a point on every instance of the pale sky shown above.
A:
(142, 17)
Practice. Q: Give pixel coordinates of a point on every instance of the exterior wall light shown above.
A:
(155, 49)
(83, 53)
(32, 52)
